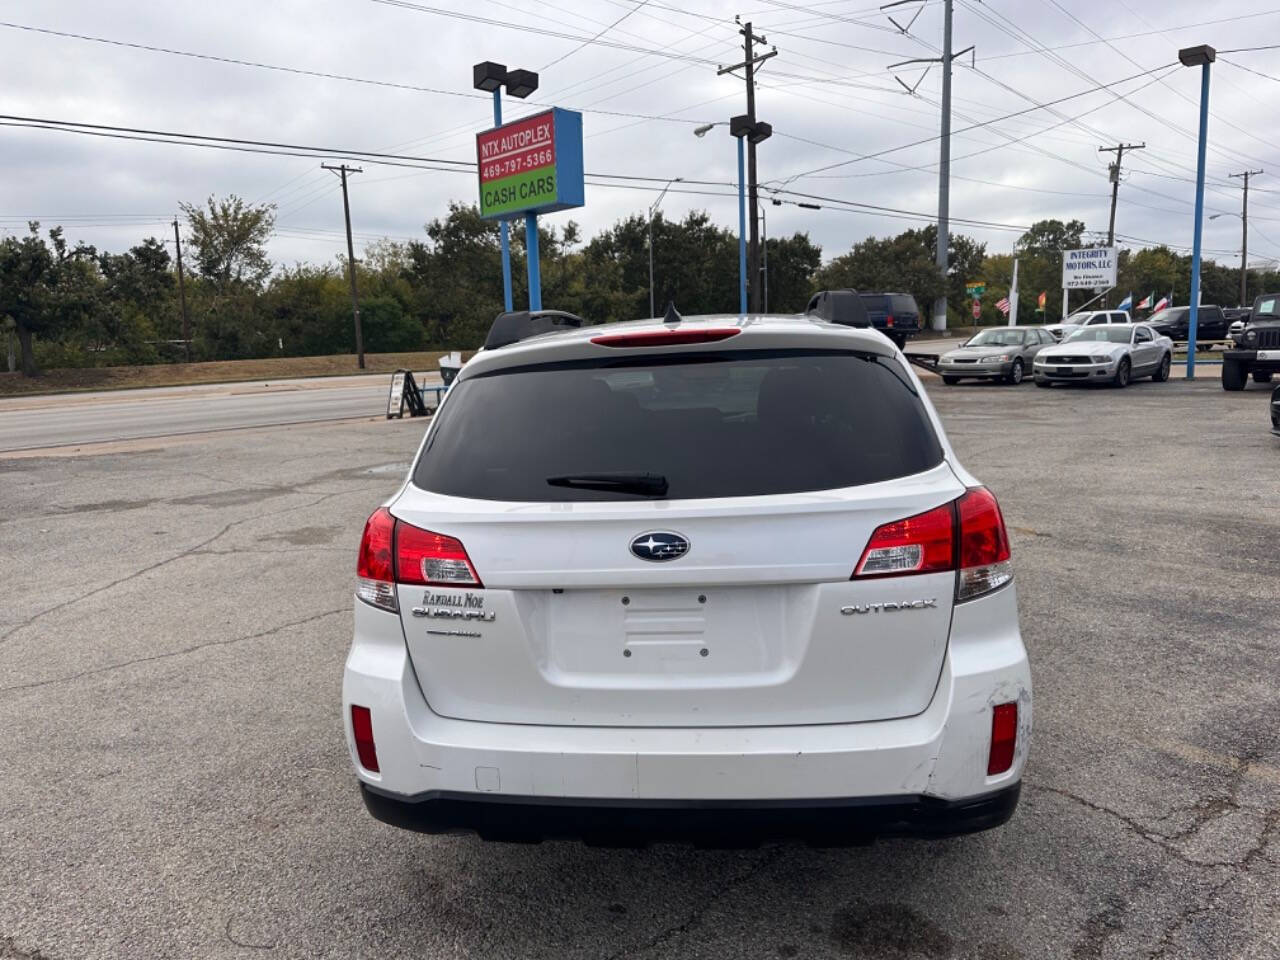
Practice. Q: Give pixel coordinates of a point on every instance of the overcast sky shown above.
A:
(829, 94)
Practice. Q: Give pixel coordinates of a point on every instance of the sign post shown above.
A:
(529, 167)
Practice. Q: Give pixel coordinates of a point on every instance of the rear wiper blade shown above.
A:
(647, 484)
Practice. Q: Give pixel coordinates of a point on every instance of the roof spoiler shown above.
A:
(839, 306)
(520, 325)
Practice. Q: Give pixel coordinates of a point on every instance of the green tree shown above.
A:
(228, 239)
(793, 261)
(26, 275)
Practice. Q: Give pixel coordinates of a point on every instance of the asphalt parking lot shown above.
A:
(174, 783)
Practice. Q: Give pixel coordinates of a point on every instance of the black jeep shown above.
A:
(1257, 347)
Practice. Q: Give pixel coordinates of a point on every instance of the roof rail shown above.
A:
(509, 328)
(839, 306)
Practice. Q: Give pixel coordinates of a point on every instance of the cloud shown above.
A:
(1051, 173)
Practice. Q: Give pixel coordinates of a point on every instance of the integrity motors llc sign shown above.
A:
(1090, 269)
(533, 165)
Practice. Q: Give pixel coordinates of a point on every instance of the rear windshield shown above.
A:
(733, 424)
(875, 301)
(905, 305)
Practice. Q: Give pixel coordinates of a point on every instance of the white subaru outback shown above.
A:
(720, 581)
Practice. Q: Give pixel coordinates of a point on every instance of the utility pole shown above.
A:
(944, 160)
(1118, 150)
(755, 133)
(944, 174)
(1244, 236)
(342, 170)
(182, 295)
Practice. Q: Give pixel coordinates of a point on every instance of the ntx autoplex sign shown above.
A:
(533, 165)
(1093, 268)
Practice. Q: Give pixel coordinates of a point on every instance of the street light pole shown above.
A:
(742, 230)
(1202, 57)
(652, 208)
(739, 132)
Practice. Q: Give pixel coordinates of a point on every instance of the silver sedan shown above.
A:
(1115, 353)
(1001, 353)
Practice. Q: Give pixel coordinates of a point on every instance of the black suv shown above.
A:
(893, 314)
(1257, 347)
(1175, 323)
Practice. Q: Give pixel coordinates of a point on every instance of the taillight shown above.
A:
(984, 545)
(666, 338)
(392, 551)
(1004, 737)
(888, 321)
(966, 535)
(921, 544)
(432, 558)
(375, 565)
(362, 731)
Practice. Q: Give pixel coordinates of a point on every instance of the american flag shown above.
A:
(1003, 305)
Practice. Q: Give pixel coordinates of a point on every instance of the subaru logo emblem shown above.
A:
(659, 545)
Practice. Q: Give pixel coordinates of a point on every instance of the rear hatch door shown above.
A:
(601, 607)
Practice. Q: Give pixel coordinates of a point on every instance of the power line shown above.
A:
(1130, 36)
(320, 74)
(985, 123)
(613, 44)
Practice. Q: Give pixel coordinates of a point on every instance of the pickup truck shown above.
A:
(1256, 349)
(1175, 323)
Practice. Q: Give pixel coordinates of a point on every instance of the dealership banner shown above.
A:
(533, 165)
(1091, 269)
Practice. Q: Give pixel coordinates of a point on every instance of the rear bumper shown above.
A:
(912, 775)
(827, 822)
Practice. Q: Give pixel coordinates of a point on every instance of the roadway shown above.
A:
(62, 420)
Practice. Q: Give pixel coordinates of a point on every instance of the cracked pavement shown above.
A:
(173, 782)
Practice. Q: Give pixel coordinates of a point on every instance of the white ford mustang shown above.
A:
(1114, 353)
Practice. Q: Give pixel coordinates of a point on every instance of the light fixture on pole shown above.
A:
(491, 78)
(652, 209)
(1201, 56)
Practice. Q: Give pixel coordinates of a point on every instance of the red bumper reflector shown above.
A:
(362, 728)
(1004, 737)
(665, 338)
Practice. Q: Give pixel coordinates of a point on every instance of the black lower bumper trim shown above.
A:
(708, 823)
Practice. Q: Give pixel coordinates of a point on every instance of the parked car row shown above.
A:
(1101, 352)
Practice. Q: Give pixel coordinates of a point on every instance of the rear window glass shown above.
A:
(733, 424)
(905, 305)
(874, 301)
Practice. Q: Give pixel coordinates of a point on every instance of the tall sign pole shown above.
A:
(342, 170)
(529, 167)
(1013, 296)
(504, 228)
(492, 77)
